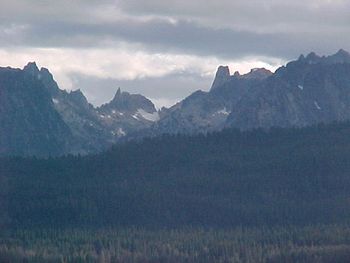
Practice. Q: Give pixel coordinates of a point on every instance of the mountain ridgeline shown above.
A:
(254, 170)
(37, 118)
(307, 91)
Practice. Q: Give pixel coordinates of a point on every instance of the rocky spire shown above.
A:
(31, 68)
(119, 94)
(222, 76)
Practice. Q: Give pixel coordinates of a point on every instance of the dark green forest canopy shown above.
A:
(228, 178)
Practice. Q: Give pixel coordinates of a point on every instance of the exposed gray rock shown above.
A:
(307, 91)
(311, 90)
(38, 118)
(81, 117)
(208, 111)
(30, 125)
(256, 73)
(221, 77)
(127, 113)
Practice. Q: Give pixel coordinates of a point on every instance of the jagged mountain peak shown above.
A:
(30, 125)
(257, 73)
(342, 52)
(119, 95)
(312, 56)
(125, 102)
(127, 113)
(306, 91)
(222, 76)
(31, 68)
(301, 57)
(342, 56)
(78, 97)
(45, 71)
(236, 74)
(223, 71)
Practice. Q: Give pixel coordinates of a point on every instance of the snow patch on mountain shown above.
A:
(148, 116)
(224, 111)
(120, 132)
(317, 106)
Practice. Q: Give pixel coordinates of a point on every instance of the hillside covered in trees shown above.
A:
(283, 176)
(274, 180)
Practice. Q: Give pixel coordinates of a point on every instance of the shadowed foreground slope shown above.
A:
(284, 176)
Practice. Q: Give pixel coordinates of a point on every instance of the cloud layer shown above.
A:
(164, 49)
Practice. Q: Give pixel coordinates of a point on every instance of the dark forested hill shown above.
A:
(284, 176)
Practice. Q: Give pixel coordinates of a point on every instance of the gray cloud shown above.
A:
(254, 15)
(224, 29)
(258, 28)
(184, 37)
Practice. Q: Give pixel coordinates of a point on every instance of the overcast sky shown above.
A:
(160, 48)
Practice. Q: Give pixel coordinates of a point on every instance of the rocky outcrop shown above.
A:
(80, 116)
(310, 90)
(127, 113)
(221, 77)
(208, 111)
(38, 118)
(307, 91)
(30, 125)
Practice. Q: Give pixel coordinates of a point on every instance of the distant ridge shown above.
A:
(40, 119)
(312, 89)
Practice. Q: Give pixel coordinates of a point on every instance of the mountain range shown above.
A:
(38, 118)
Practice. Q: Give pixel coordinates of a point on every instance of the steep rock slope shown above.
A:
(309, 90)
(38, 118)
(30, 125)
(80, 116)
(127, 113)
(208, 111)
